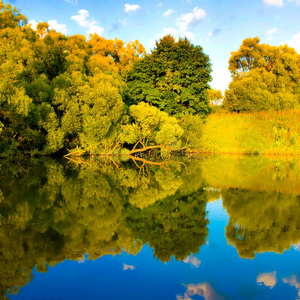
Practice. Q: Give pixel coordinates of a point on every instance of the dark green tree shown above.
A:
(173, 77)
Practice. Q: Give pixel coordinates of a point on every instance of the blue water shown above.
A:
(216, 272)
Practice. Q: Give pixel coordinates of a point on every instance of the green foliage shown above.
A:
(90, 108)
(264, 77)
(193, 130)
(150, 126)
(174, 77)
(53, 95)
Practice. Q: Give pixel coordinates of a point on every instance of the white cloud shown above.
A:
(168, 12)
(82, 19)
(191, 19)
(278, 3)
(96, 29)
(131, 7)
(128, 267)
(166, 31)
(151, 43)
(189, 35)
(33, 24)
(74, 2)
(171, 31)
(160, 4)
(62, 28)
(294, 42)
(272, 31)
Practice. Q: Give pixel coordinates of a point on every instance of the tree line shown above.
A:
(63, 93)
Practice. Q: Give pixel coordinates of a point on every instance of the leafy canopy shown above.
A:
(174, 77)
(264, 77)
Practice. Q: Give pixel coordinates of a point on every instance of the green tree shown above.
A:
(90, 109)
(151, 128)
(174, 77)
(264, 77)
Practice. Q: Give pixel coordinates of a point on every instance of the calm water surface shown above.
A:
(202, 228)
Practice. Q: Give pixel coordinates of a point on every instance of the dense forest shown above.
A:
(60, 92)
(63, 93)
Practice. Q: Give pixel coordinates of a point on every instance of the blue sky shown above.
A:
(219, 26)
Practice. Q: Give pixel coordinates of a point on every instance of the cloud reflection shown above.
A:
(193, 260)
(293, 281)
(204, 290)
(268, 279)
(128, 267)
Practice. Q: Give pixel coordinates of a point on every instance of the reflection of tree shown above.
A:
(176, 226)
(50, 212)
(261, 221)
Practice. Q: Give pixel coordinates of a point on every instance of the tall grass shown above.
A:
(261, 132)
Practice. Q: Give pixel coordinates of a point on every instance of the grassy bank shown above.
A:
(262, 132)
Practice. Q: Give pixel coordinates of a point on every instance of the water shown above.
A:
(201, 228)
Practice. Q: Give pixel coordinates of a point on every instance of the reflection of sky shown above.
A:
(216, 272)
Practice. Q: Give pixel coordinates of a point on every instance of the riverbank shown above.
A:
(271, 133)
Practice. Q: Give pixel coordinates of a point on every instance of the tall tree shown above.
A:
(173, 77)
(264, 77)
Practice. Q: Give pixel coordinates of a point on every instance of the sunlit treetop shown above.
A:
(10, 16)
(264, 77)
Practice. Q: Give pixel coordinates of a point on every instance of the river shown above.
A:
(205, 227)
